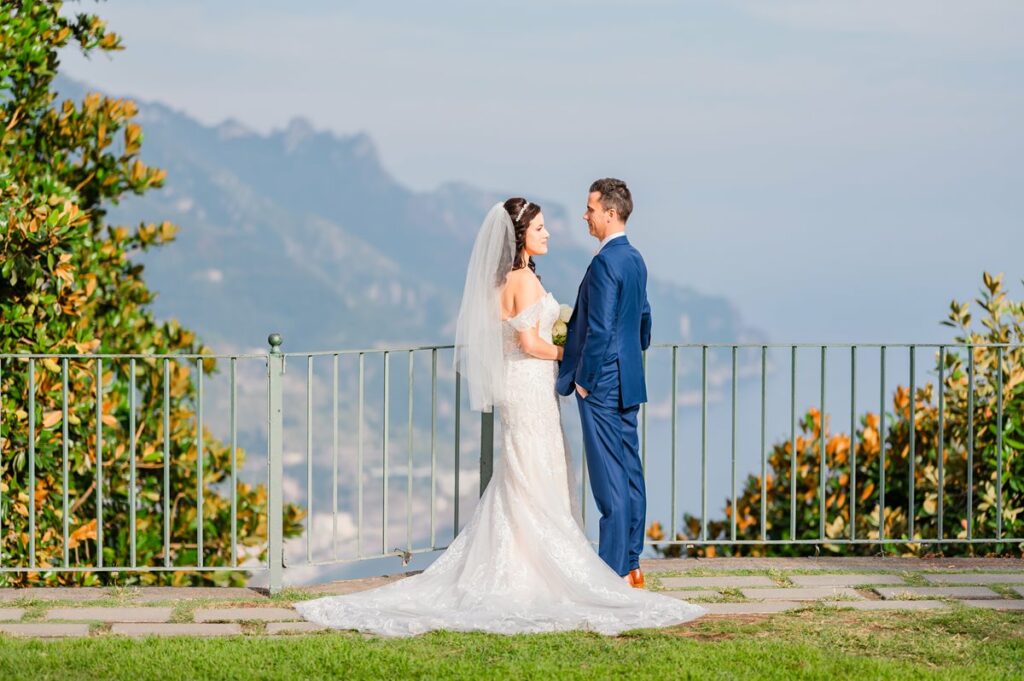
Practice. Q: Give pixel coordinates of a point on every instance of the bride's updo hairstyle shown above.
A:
(522, 213)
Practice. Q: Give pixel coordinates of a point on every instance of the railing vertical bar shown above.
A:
(912, 453)
(583, 488)
(433, 448)
(792, 438)
(970, 442)
(2, 440)
(65, 522)
(167, 462)
(99, 462)
(199, 463)
(881, 447)
(334, 456)
(675, 435)
(234, 461)
(408, 501)
(941, 451)
(1, 461)
(131, 470)
(703, 443)
(309, 458)
(853, 443)
(31, 462)
(359, 455)
(732, 528)
(643, 424)
(999, 444)
(823, 459)
(764, 443)
(384, 452)
(458, 448)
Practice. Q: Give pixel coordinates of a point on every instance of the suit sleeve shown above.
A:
(602, 291)
(645, 325)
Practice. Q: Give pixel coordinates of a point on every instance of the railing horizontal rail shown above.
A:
(94, 356)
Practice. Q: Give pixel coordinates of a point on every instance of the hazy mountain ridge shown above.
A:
(306, 233)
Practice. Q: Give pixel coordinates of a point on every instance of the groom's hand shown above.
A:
(582, 391)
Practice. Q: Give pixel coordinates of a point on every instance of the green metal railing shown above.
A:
(670, 354)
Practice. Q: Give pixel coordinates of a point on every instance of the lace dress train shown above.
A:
(521, 564)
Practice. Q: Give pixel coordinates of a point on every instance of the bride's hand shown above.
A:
(561, 353)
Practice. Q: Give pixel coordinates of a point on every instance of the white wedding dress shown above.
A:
(521, 564)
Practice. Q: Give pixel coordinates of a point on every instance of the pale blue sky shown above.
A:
(839, 170)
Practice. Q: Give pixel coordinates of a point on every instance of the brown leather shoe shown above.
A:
(636, 578)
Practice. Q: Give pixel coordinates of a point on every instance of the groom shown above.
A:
(608, 332)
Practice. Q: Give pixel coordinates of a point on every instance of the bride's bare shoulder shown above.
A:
(522, 289)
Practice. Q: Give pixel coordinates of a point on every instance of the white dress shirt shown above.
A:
(604, 241)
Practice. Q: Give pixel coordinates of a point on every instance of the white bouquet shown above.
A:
(560, 331)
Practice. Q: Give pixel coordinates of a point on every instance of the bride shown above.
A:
(522, 563)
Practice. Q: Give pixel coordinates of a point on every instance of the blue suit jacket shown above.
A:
(609, 329)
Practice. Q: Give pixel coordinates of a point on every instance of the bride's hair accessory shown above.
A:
(522, 210)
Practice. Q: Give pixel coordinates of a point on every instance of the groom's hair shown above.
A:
(614, 194)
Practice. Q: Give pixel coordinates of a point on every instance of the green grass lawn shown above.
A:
(813, 643)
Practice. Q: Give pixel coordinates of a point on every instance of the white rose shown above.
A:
(564, 313)
(559, 329)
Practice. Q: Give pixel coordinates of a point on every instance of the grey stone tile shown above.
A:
(182, 593)
(889, 605)
(1019, 590)
(897, 592)
(844, 580)
(721, 582)
(798, 594)
(976, 578)
(244, 614)
(9, 614)
(110, 614)
(999, 604)
(176, 629)
(693, 593)
(293, 627)
(767, 607)
(44, 630)
(49, 593)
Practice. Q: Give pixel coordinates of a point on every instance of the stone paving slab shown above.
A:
(245, 614)
(897, 592)
(832, 563)
(976, 578)
(815, 594)
(999, 604)
(177, 629)
(293, 627)
(845, 579)
(148, 594)
(110, 614)
(889, 605)
(46, 593)
(1019, 590)
(44, 630)
(693, 593)
(723, 582)
(9, 614)
(763, 608)
(348, 586)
